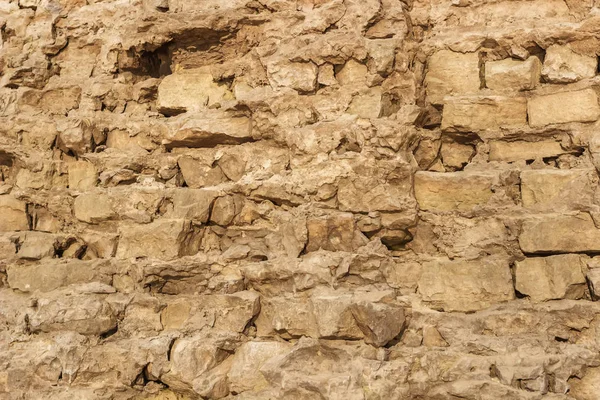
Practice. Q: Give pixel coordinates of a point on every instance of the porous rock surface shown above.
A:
(299, 199)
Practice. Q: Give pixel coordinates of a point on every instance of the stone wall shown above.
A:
(299, 199)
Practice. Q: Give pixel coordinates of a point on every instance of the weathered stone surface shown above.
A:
(469, 114)
(563, 65)
(162, 239)
(450, 73)
(461, 191)
(310, 199)
(560, 234)
(190, 90)
(520, 150)
(465, 285)
(563, 107)
(14, 216)
(549, 278)
(558, 189)
(513, 74)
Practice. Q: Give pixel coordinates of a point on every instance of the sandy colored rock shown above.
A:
(162, 239)
(450, 73)
(521, 150)
(558, 189)
(468, 114)
(560, 234)
(453, 190)
(93, 208)
(82, 175)
(14, 217)
(550, 278)
(190, 90)
(513, 74)
(563, 65)
(301, 76)
(563, 107)
(466, 285)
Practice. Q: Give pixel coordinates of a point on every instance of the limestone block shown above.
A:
(586, 387)
(465, 286)
(560, 234)
(164, 239)
(36, 245)
(549, 190)
(477, 113)
(13, 215)
(563, 107)
(208, 130)
(554, 277)
(229, 313)
(82, 175)
(335, 232)
(190, 90)
(380, 323)
(367, 103)
(439, 191)
(352, 73)
(198, 173)
(245, 374)
(191, 204)
(301, 76)
(520, 150)
(55, 274)
(563, 65)
(450, 73)
(513, 74)
(86, 314)
(93, 208)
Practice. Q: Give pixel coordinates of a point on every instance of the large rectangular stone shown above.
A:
(445, 191)
(563, 107)
(554, 277)
(513, 74)
(556, 189)
(450, 73)
(13, 215)
(560, 234)
(521, 150)
(478, 113)
(163, 239)
(563, 65)
(466, 285)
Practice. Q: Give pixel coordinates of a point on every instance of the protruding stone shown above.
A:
(563, 107)
(82, 175)
(549, 278)
(521, 150)
(450, 73)
(14, 215)
(563, 65)
(560, 234)
(513, 74)
(301, 76)
(468, 114)
(466, 285)
(547, 190)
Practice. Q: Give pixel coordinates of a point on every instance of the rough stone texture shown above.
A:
(299, 199)
(563, 107)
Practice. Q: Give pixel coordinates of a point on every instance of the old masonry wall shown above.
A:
(299, 199)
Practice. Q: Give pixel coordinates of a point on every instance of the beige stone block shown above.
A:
(93, 208)
(367, 103)
(352, 73)
(549, 278)
(336, 232)
(248, 359)
(224, 312)
(208, 130)
(513, 74)
(563, 65)
(163, 239)
(13, 215)
(446, 191)
(465, 286)
(520, 150)
(549, 189)
(478, 113)
(450, 73)
(588, 387)
(82, 175)
(301, 76)
(560, 234)
(190, 90)
(37, 245)
(563, 107)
